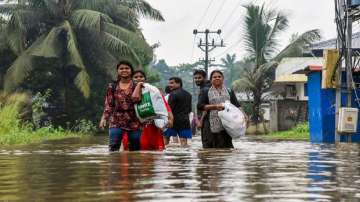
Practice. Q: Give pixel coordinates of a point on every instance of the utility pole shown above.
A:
(346, 13)
(208, 47)
(339, 74)
(348, 59)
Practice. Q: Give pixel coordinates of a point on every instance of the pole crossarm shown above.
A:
(206, 46)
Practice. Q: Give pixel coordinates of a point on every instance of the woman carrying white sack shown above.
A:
(154, 118)
(212, 100)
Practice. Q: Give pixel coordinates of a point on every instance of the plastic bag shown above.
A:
(161, 122)
(151, 106)
(233, 120)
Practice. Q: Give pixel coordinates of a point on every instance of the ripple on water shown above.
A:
(255, 170)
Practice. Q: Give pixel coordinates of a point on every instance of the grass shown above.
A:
(15, 132)
(300, 132)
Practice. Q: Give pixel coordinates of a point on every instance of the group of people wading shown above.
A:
(126, 129)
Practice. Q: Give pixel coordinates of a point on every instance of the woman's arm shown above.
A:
(108, 106)
(136, 96)
(233, 99)
(203, 103)
(214, 107)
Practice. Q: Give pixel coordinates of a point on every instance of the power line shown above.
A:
(234, 28)
(193, 48)
(218, 12)
(230, 48)
(207, 9)
(208, 46)
(231, 14)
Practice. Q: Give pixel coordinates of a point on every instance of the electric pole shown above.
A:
(208, 47)
(346, 14)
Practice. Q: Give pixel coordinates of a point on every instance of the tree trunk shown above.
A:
(66, 95)
(256, 108)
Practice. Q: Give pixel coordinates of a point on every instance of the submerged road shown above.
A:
(83, 170)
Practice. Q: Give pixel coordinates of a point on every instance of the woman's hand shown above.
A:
(136, 96)
(102, 123)
(220, 107)
(140, 84)
(170, 123)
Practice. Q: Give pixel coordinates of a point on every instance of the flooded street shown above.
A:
(75, 170)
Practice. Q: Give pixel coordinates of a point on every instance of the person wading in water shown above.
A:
(151, 136)
(203, 124)
(180, 103)
(119, 110)
(212, 100)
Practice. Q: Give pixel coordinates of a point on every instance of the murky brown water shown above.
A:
(75, 170)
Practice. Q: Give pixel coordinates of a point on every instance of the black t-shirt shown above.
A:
(203, 87)
(180, 103)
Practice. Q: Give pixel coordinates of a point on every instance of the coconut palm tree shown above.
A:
(62, 30)
(229, 62)
(262, 29)
(65, 43)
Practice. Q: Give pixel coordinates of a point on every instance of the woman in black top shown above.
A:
(212, 100)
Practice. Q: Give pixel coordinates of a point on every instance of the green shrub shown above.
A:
(299, 132)
(14, 131)
(84, 126)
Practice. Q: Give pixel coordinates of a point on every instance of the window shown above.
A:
(305, 90)
(290, 91)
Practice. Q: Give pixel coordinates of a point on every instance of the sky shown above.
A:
(178, 43)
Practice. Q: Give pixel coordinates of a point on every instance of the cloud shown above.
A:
(182, 16)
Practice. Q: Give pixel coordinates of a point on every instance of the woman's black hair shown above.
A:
(216, 71)
(127, 63)
(141, 72)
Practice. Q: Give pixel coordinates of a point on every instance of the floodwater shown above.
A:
(83, 170)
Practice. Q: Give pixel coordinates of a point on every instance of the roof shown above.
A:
(331, 44)
(295, 65)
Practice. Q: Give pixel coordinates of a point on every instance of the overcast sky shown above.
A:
(182, 16)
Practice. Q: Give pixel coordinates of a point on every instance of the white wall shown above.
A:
(300, 91)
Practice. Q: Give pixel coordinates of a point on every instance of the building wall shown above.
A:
(284, 91)
(286, 114)
(300, 89)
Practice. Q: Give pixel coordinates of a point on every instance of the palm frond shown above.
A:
(18, 71)
(21, 67)
(15, 40)
(97, 5)
(121, 14)
(137, 43)
(115, 44)
(51, 46)
(82, 80)
(262, 28)
(9, 8)
(123, 33)
(144, 9)
(88, 19)
(280, 24)
(299, 44)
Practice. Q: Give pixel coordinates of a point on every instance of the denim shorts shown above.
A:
(186, 133)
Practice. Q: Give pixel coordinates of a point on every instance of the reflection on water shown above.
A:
(83, 170)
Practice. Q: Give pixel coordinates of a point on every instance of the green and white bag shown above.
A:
(152, 105)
